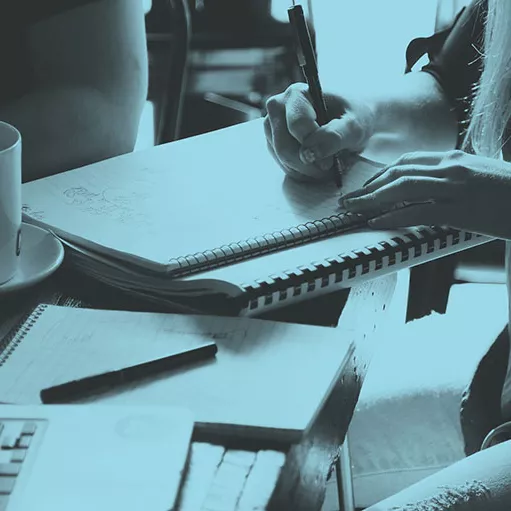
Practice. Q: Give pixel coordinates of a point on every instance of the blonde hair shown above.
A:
(491, 106)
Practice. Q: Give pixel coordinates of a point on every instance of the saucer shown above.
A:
(41, 254)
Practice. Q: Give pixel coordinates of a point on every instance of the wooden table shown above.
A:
(248, 474)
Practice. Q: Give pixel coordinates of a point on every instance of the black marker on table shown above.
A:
(105, 382)
(307, 61)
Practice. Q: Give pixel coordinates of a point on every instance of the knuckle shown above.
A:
(351, 123)
(295, 88)
(407, 158)
(406, 181)
(455, 154)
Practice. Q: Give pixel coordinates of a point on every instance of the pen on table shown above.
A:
(307, 61)
(104, 382)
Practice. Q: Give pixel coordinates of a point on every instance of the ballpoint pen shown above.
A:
(307, 61)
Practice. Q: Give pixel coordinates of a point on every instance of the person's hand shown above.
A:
(302, 148)
(452, 188)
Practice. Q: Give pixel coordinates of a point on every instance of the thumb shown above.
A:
(346, 133)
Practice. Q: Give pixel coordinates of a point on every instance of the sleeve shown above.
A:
(455, 58)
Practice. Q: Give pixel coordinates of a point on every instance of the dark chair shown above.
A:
(168, 30)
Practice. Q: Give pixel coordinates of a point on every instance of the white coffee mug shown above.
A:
(10, 201)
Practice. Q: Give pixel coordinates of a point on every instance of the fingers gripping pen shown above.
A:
(307, 61)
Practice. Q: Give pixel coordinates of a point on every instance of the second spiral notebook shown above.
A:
(215, 215)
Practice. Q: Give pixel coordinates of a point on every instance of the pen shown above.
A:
(307, 61)
(104, 382)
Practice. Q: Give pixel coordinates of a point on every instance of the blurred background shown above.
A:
(213, 63)
(233, 55)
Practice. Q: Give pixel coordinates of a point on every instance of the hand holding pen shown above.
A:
(307, 61)
(303, 150)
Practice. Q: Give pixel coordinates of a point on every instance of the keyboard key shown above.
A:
(9, 469)
(227, 485)
(12, 431)
(6, 485)
(23, 442)
(29, 428)
(5, 456)
(261, 481)
(18, 455)
(8, 442)
(204, 463)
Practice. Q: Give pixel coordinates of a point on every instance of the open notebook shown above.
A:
(268, 379)
(160, 220)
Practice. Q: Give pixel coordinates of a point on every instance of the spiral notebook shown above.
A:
(162, 221)
(250, 385)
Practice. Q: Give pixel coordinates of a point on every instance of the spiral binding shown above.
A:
(306, 279)
(304, 233)
(13, 339)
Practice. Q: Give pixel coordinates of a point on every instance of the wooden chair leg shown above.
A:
(344, 479)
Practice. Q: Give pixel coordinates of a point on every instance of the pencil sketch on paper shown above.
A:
(37, 215)
(113, 203)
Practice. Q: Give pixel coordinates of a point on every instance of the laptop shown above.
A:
(82, 457)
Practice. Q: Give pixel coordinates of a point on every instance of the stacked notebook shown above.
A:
(268, 379)
(214, 218)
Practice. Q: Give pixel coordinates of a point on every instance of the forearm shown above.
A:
(68, 128)
(412, 114)
(481, 482)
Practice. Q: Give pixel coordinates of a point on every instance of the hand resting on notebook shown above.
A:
(457, 189)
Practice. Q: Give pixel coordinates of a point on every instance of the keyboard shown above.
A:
(16, 436)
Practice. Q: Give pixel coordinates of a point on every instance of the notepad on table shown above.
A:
(268, 378)
(159, 221)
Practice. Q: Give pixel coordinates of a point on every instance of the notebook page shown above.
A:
(178, 199)
(266, 374)
(67, 343)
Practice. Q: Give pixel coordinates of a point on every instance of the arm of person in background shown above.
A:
(90, 84)
(481, 482)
